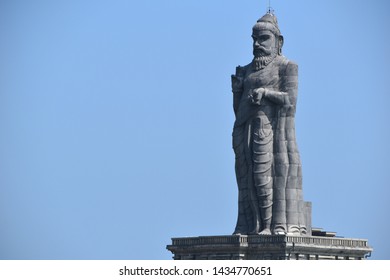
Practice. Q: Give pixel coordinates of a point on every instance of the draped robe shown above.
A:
(268, 167)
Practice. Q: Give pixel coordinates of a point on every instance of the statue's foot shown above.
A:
(239, 233)
(279, 232)
(265, 231)
(294, 230)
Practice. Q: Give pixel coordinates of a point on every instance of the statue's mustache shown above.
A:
(262, 50)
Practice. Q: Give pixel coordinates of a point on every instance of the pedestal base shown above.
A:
(269, 247)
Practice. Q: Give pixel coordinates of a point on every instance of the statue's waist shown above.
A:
(263, 116)
(263, 112)
(271, 114)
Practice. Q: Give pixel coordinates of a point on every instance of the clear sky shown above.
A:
(116, 120)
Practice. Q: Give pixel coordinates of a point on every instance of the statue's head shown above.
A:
(267, 40)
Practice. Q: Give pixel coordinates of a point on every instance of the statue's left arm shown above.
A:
(289, 87)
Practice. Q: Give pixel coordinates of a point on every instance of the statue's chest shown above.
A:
(267, 77)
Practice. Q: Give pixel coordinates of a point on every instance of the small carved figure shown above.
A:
(268, 167)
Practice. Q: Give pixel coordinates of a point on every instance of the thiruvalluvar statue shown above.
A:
(267, 162)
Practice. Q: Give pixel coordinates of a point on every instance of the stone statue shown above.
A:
(268, 167)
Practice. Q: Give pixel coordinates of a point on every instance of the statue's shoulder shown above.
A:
(243, 71)
(248, 66)
(287, 67)
(245, 68)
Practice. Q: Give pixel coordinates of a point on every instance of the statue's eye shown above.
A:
(264, 37)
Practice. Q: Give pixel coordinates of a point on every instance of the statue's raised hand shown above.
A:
(256, 95)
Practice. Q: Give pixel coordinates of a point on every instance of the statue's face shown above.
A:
(264, 43)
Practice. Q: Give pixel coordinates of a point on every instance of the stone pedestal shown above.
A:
(272, 247)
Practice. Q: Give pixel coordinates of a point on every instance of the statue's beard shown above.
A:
(262, 60)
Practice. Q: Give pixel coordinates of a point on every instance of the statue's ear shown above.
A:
(281, 41)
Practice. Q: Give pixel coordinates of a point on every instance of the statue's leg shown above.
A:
(279, 208)
(294, 197)
(279, 219)
(245, 215)
(262, 171)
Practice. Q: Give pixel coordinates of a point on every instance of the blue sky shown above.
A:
(116, 120)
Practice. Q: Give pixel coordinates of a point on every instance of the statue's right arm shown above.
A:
(288, 95)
